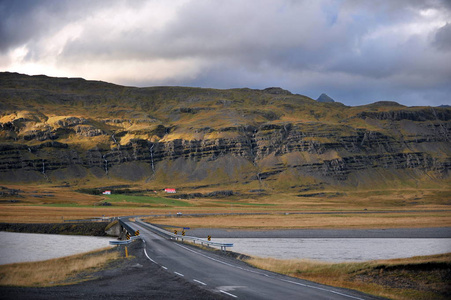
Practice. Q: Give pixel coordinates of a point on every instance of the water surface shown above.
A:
(339, 250)
(24, 247)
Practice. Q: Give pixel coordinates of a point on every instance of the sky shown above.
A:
(357, 52)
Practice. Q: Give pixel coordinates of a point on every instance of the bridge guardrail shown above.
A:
(129, 229)
(126, 242)
(172, 236)
(99, 219)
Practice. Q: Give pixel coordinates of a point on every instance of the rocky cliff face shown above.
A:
(66, 130)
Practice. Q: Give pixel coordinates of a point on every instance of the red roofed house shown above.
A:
(170, 191)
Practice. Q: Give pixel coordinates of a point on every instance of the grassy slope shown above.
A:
(54, 271)
(423, 277)
(140, 111)
(151, 201)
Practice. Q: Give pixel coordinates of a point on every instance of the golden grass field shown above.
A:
(54, 271)
(407, 208)
(42, 214)
(314, 221)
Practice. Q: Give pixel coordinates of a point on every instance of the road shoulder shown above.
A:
(133, 278)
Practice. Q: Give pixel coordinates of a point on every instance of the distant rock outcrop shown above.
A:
(325, 99)
(276, 91)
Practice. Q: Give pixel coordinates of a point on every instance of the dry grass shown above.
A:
(53, 271)
(47, 194)
(401, 279)
(298, 221)
(42, 214)
(47, 203)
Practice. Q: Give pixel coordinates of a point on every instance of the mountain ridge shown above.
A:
(65, 129)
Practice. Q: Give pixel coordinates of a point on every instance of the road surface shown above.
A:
(231, 277)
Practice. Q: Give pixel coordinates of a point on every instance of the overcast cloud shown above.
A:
(357, 52)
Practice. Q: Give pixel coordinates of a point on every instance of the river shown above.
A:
(339, 249)
(24, 247)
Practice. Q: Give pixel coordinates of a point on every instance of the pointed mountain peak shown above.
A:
(324, 98)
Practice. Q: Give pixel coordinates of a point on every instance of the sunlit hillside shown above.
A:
(95, 133)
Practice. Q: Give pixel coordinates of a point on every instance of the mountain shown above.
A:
(90, 132)
(325, 99)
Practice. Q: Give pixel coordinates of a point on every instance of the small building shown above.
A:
(170, 191)
(107, 193)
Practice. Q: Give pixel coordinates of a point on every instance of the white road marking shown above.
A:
(199, 282)
(260, 273)
(256, 272)
(228, 294)
(220, 261)
(321, 289)
(145, 252)
(179, 274)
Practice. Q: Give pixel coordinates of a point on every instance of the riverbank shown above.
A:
(98, 229)
(436, 232)
(85, 228)
(422, 277)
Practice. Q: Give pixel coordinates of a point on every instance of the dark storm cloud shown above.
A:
(360, 51)
(13, 30)
(27, 20)
(443, 38)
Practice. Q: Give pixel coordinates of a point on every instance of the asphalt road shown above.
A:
(230, 277)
